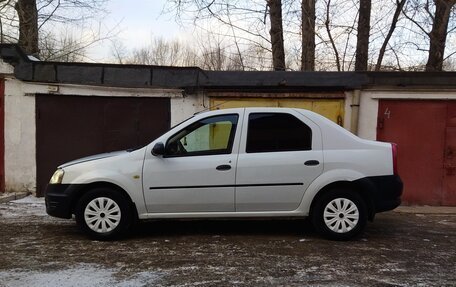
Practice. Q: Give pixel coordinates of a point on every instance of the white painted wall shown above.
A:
(6, 69)
(368, 110)
(185, 106)
(20, 158)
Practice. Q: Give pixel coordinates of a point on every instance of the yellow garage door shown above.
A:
(333, 109)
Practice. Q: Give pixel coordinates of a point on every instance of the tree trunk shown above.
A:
(28, 26)
(437, 37)
(362, 45)
(308, 35)
(276, 32)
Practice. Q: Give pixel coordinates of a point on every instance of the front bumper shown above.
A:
(60, 199)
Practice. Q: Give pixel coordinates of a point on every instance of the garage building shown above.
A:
(51, 113)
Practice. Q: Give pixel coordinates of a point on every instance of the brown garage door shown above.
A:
(425, 132)
(70, 127)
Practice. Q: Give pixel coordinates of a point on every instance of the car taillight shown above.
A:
(394, 149)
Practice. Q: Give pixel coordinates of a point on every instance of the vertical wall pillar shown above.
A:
(355, 112)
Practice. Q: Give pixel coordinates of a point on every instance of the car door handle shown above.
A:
(312, 162)
(223, 167)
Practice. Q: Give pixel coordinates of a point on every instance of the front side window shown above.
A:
(275, 132)
(213, 135)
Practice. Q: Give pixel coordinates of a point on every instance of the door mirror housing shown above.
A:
(158, 149)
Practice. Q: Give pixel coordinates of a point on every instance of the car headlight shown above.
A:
(57, 177)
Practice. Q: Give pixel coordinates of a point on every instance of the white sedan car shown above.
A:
(234, 163)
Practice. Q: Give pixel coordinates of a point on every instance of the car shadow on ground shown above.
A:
(391, 225)
(167, 228)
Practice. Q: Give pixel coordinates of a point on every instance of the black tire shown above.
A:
(112, 219)
(346, 214)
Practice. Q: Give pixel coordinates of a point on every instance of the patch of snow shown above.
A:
(27, 206)
(81, 275)
(392, 270)
(387, 282)
(30, 200)
(447, 222)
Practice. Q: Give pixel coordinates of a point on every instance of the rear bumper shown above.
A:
(385, 191)
(60, 199)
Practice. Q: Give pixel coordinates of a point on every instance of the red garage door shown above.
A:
(71, 127)
(425, 132)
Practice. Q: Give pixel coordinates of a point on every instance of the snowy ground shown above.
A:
(23, 208)
(396, 250)
(81, 275)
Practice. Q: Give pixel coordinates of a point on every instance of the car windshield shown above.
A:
(176, 125)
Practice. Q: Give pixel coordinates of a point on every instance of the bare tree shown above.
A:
(438, 34)
(70, 45)
(30, 18)
(432, 19)
(308, 35)
(118, 51)
(331, 39)
(158, 52)
(362, 44)
(61, 48)
(28, 26)
(276, 32)
(397, 12)
(9, 31)
(245, 23)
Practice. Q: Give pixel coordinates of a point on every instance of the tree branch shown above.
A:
(399, 6)
(328, 30)
(50, 15)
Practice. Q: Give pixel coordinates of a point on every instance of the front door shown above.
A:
(197, 172)
(278, 159)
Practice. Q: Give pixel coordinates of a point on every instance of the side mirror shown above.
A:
(158, 149)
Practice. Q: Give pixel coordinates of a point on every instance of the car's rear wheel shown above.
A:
(339, 214)
(103, 214)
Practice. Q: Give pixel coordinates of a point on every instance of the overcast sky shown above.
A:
(139, 21)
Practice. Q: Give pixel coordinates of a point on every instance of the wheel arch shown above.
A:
(361, 188)
(103, 184)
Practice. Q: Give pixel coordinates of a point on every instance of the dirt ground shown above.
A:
(397, 249)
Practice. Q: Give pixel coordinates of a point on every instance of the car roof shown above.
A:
(257, 109)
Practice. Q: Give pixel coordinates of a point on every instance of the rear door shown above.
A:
(280, 155)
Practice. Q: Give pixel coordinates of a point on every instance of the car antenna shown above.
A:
(206, 109)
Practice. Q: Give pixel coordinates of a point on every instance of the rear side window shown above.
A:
(275, 132)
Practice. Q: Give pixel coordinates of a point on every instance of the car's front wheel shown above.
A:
(103, 214)
(339, 214)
